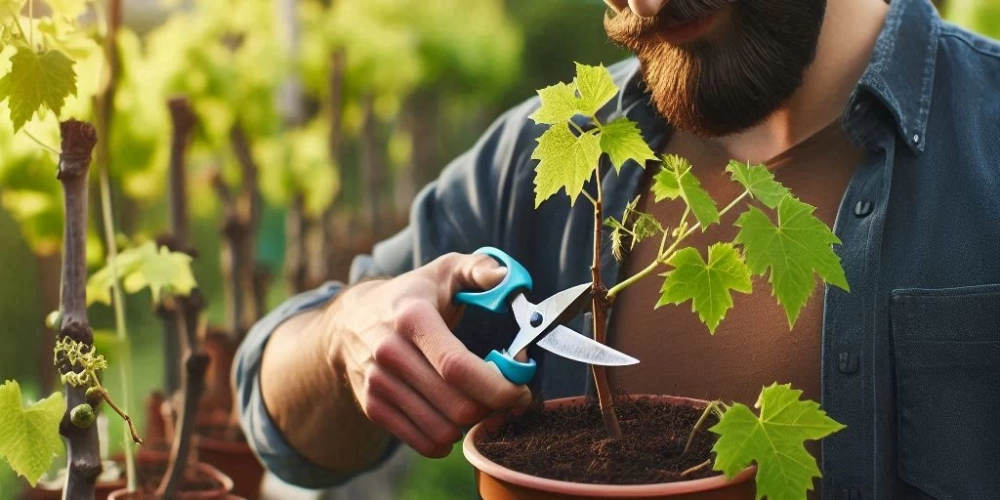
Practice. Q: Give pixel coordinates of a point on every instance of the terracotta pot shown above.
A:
(496, 482)
(222, 492)
(236, 460)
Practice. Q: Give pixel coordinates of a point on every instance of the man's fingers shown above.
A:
(392, 419)
(457, 365)
(474, 272)
(386, 386)
(405, 361)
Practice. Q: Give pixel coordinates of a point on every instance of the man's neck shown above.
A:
(850, 29)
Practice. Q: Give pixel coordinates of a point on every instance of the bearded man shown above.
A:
(880, 115)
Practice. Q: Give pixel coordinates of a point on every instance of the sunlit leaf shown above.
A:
(774, 441)
(799, 246)
(759, 181)
(36, 81)
(566, 162)
(708, 285)
(29, 435)
(677, 180)
(162, 271)
(622, 141)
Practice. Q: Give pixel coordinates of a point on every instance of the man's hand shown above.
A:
(392, 341)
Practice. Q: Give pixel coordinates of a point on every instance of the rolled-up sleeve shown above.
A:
(459, 212)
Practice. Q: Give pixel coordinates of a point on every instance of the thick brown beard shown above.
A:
(733, 79)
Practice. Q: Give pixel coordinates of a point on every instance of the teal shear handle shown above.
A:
(496, 300)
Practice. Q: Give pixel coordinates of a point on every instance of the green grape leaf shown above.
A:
(29, 435)
(709, 285)
(622, 141)
(677, 181)
(9, 9)
(143, 267)
(71, 9)
(759, 181)
(565, 162)
(559, 104)
(596, 88)
(793, 250)
(775, 441)
(36, 81)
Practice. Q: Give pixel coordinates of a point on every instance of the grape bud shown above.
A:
(82, 415)
(95, 397)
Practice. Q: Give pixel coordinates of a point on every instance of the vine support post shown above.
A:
(599, 306)
(83, 450)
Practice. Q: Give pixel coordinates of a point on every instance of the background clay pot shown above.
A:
(222, 492)
(236, 460)
(496, 482)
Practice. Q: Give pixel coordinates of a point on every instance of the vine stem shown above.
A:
(599, 306)
(38, 141)
(104, 114)
(664, 255)
(713, 406)
(83, 450)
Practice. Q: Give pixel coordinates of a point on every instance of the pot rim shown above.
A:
(224, 491)
(487, 466)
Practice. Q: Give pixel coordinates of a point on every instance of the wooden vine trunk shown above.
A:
(83, 450)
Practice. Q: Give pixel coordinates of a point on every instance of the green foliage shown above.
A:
(29, 435)
(677, 180)
(795, 249)
(639, 226)
(708, 286)
(982, 16)
(759, 181)
(82, 356)
(37, 81)
(622, 141)
(774, 440)
(567, 160)
(162, 271)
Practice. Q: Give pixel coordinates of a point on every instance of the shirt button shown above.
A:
(916, 138)
(863, 208)
(848, 362)
(857, 107)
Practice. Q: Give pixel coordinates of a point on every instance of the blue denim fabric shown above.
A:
(911, 356)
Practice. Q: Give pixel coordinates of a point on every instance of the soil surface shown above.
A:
(569, 443)
(150, 475)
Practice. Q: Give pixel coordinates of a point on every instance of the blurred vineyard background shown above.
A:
(346, 107)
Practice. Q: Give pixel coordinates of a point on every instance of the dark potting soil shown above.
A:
(569, 443)
(151, 473)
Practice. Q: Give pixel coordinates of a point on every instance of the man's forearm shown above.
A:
(310, 400)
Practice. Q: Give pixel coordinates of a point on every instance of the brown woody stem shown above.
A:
(599, 305)
(195, 364)
(83, 450)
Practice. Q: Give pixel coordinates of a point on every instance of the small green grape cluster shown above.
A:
(84, 414)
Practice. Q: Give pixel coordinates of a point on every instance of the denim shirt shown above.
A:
(910, 356)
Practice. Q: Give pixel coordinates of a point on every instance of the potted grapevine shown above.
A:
(655, 446)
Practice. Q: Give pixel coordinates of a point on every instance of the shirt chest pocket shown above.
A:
(947, 348)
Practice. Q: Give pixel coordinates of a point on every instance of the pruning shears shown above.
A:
(540, 324)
